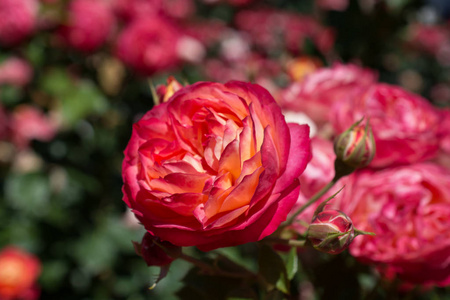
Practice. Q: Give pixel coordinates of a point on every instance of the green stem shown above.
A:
(292, 243)
(360, 232)
(313, 199)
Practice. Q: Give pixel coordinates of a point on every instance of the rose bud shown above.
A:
(355, 147)
(164, 92)
(331, 231)
(156, 252)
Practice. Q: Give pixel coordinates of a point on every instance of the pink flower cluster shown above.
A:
(403, 195)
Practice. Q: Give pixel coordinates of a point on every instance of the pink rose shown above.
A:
(89, 25)
(15, 71)
(149, 45)
(29, 123)
(17, 20)
(323, 88)
(428, 38)
(131, 10)
(282, 30)
(19, 271)
(408, 209)
(405, 126)
(214, 166)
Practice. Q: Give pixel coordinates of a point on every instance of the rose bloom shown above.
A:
(321, 89)
(405, 126)
(29, 123)
(408, 209)
(15, 71)
(131, 10)
(214, 166)
(428, 38)
(282, 30)
(17, 20)
(18, 274)
(89, 24)
(149, 45)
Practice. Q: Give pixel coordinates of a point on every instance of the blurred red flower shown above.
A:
(19, 271)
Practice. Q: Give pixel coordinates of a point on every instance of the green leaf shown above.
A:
(292, 263)
(272, 269)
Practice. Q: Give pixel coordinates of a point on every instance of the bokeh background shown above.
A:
(75, 75)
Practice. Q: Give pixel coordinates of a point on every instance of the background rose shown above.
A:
(18, 274)
(405, 126)
(214, 166)
(89, 24)
(15, 71)
(407, 208)
(149, 45)
(323, 88)
(28, 123)
(17, 20)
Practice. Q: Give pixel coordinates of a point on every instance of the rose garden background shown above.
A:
(76, 75)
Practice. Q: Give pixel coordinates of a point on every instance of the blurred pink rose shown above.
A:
(214, 166)
(318, 173)
(428, 38)
(405, 126)
(408, 209)
(19, 271)
(282, 30)
(15, 71)
(323, 88)
(149, 45)
(444, 134)
(339, 5)
(89, 24)
(29, 123)
(17, 20)
(131, 10)
(207, 31)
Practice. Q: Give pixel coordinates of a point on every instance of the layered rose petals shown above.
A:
(408, 209)
(325, 87)
(214, 166)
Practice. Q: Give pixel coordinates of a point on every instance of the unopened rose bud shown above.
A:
(164, 92)
(355, 147)
(156, 252)
(331, 231)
